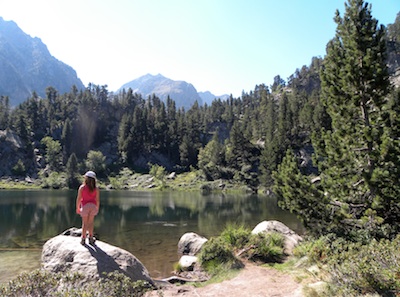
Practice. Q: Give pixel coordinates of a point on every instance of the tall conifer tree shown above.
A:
(356, 193)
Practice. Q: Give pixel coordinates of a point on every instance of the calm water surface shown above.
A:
(147, 224)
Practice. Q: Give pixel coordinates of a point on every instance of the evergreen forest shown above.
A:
(325, 141)
(328, 136)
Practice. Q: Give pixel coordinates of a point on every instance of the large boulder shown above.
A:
(64, 253)
(190, 243)
(291, 237)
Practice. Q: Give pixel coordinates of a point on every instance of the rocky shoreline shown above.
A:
(63, 253)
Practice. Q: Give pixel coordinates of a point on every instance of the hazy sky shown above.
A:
(222, 46)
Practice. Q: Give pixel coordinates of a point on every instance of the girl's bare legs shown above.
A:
(90, 226)
(85, 227)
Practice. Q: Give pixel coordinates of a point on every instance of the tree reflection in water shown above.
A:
(148, 224)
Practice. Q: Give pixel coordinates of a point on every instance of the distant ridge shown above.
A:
(208, 97)
(184, 94)
(27, 65)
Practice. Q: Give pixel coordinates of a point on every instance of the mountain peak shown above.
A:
(28, 66)
(184, 94)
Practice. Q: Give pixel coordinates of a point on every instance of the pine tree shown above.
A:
(67, 139)
(359, 152)
(211, 157)
(124, 137)
(73, 178)
(4, 112)
(269, 153)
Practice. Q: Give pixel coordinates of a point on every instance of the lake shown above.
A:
(147, 224)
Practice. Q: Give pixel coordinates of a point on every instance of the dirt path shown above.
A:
(254, 281)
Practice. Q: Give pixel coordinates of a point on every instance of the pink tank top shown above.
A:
(87, 196)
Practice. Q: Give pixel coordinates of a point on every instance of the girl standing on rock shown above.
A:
(87, 205)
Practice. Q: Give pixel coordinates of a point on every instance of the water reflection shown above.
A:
(147, 224)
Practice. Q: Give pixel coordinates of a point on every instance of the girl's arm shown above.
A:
(78, 200)
(98, 198)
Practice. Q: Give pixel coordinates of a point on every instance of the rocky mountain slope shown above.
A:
(27, 65)
(184, 94)
(208, 97)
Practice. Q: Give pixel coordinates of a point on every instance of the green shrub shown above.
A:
(317, 251)
(45, 284)
(356, 269)
(217, 255)
(117, 284)
(159, 172)
(361, 269)
(115, 182)
(37, 283)
(96, 161)
(19, 168)
(235, 235)
(266, 247)
(54, 181)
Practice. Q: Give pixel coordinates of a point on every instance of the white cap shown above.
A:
(90, 174)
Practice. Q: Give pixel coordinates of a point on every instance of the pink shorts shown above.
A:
(89, 209)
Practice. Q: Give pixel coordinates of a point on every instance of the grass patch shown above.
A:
(18, 185)
(266, 247)
(237, 236)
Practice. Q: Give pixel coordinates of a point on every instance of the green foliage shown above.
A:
(130, 128)
(297, 194)
(217, 256)
(238, 149)
(116, 183)
(53, 154)
(96, 161)
(54, 181)
(117, 284)
(266, 247)
(236, 235)
(19, 168)
(121, 180)
(211, 158)
(255, 129)
(159, 173)
(219, 253)
(356, 195)
(45, 284)
(316, 251)
(372, 268)
(37, 283)
(72, 171)
(187, 151)
(4, 112)
(356, 269)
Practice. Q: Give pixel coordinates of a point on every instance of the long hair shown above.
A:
(91, 183)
